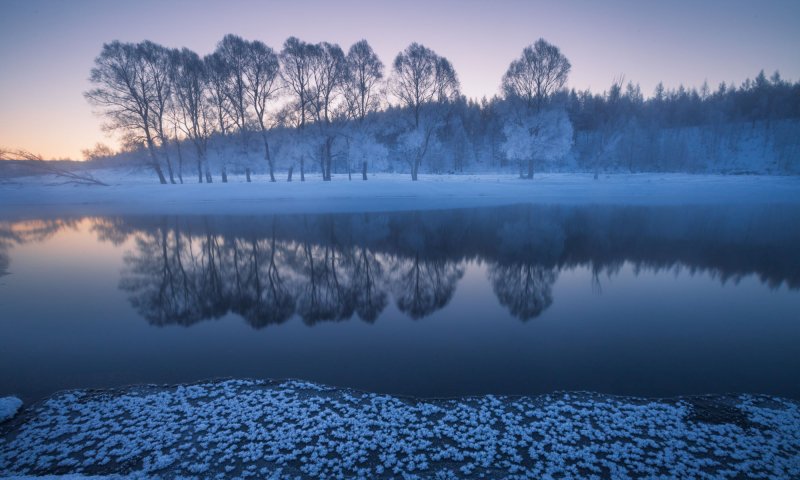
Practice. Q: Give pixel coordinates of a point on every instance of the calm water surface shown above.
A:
(655, 301)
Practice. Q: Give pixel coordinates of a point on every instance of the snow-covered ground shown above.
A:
(242, 428)
(137, 192)
(9, 407)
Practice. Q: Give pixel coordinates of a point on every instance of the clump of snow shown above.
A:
(9, 407)
(252, 429)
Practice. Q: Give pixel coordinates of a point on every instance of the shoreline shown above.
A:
(391, 192)
(290, 428)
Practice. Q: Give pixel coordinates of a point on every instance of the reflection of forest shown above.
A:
(177, 277)
(332, 267)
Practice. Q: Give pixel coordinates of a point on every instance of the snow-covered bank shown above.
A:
(139, 194)
(9, 407)
(297, 429)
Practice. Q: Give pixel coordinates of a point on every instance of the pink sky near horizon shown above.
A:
(47, 47)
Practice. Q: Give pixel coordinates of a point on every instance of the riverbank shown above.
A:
(291, 429)
(137, 193)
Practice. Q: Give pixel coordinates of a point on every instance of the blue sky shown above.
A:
(47, 47)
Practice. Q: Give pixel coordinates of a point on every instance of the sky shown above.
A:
(47, 47)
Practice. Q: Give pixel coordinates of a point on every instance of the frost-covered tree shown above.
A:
(296, 59)
(425, 84)
(364, 149)
(193, 95)
(328, 74)
(421, 78)
(261, 73)
(99, 151)
(156, 65)
(232, 51)
(214, 66)
(541, 71)
(546, 136)
(124, 94)
(362, 87)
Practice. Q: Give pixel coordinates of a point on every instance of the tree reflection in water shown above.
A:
(182, 270)
(423, 286)
(525, 289)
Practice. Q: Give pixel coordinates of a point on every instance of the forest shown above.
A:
(246, 109)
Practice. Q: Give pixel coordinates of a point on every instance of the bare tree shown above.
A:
(421, 77)
(362, 84)
(328, 73)
(124, 95)
(232, 51)
(216, 71)
(261, 72)
(296, 68)
(156, 68)
(191, 89)
(541, 71)
(39, 165)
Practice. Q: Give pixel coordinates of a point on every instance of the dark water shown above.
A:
(655, 301)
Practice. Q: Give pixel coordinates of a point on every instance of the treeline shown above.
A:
(247, 108)
(688, 129)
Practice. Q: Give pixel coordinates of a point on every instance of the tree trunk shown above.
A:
(329, 162)
(247, 174)
(289, 177)
(199, 171)
(180, 162)
(169, 167)
(268, 157)
(364, 171)
(328, 158)
(322, 162)
(164, 147)
(154, 158)
(224, 175)
(160, 174)
(530, 169)
(302, 169)
(208, 177)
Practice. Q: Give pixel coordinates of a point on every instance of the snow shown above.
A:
(263, 429)
(9, 407)
(138, 193)
(76, 477)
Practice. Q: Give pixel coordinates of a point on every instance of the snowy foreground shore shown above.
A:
(139, 194)
(293, 429)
